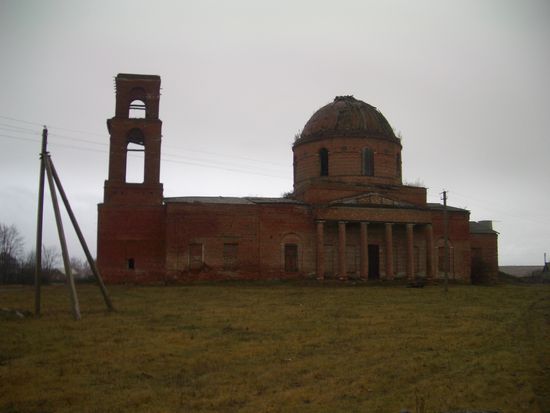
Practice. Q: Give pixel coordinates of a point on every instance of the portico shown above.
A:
(381, 249)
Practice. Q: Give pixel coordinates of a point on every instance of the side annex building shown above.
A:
(349, 215)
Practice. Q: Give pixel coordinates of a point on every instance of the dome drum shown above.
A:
(347, 141)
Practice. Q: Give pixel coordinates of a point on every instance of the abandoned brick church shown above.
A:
(349, 215)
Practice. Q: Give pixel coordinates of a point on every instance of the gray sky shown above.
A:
(466, 83)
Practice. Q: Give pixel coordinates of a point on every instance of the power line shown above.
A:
(189, 160)
(50, 128)
(184, 161)
(262, 161)
(19, 129)
(22, 121)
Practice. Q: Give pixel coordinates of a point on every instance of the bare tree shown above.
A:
(11, 247)
(81, 268)
(50, 260)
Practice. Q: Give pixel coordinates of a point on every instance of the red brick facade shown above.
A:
(349, 215)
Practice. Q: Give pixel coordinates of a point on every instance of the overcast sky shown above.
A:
(466, 83)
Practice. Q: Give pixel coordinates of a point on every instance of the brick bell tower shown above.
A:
(130, 242)
(136, 95)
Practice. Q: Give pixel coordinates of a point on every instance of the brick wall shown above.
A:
(484, 256)
(259, 232)
(131, 233)
(459, 244)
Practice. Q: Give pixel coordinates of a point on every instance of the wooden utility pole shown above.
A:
(47, 169)
(89, 257)
(38, 250)
(446, 240)
(62, 241)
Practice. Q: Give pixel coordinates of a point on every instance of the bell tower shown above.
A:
(135, 130)
(131, 219)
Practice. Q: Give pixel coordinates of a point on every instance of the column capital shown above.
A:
(320, 221)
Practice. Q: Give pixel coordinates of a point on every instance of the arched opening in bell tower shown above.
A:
(135, 157)
(137, 109)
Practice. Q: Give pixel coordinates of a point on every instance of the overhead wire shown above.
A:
(169, 157)
(51, 128)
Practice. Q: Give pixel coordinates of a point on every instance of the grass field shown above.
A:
(278, 347)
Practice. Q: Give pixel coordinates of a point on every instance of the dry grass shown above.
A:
(279, 347)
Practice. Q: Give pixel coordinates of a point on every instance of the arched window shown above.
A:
(135, 157)
(137, 109)
(291, 258)
(138, 103)
(323, 161)
(368, 162)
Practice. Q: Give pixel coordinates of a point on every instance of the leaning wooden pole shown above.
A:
(39, 221)
(89, 257)
(62, 241)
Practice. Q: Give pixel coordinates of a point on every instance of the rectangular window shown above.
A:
(352, 257)
(131, 264)
(323, 159)
(291, 258)
(368, 162)
(195, 256)
(230, 252)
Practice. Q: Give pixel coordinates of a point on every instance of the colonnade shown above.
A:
(364, 253)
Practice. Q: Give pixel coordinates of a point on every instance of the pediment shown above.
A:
(371, 198)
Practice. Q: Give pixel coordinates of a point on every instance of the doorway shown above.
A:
(374, 262)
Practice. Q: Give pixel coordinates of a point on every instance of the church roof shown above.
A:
(346, 117)
(230, 200)
(482, 227)
(440, 207)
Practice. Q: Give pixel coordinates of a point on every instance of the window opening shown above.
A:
(323, 159)
(291, 258)
(195, 257)
(230, 251)
(131, 264)
(137, 109)
(135, 163)
(352, 258)
(135, 157)
(368, 162)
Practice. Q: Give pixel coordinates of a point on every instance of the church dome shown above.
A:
(346, 117)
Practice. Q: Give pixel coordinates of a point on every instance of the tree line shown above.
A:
(18, 266)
